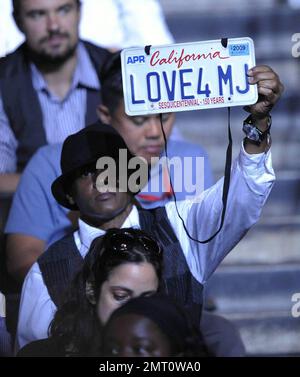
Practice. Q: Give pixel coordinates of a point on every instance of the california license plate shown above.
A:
(188, 76)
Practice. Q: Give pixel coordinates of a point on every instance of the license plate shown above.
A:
(188, 76)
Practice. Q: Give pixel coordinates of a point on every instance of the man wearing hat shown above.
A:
(188, 264)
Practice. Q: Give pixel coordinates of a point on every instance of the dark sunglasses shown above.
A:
(127, 241)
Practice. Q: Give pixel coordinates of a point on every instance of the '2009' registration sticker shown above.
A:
(188, 76)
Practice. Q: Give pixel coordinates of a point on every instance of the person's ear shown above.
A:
(90, 293)
(70, 199)
(103, 114)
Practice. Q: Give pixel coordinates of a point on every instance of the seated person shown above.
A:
(36, 220)
(42, 81)
(152, 326)
(188, 264)
(121, 265)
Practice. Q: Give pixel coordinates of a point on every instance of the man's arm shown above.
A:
(35, 218)
(22, 251)
(36, 309)
(252, 178)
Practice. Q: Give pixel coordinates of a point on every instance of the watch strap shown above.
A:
(253, 133)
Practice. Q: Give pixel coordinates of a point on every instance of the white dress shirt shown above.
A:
(251, 182)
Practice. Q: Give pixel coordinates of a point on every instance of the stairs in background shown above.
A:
(258, 299)
(254, 285)
(180, 6)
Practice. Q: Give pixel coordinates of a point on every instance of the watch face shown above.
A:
(251, 132)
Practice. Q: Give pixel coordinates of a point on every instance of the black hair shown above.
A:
(76, 323)
(174, 322)
(17, 6)
(111, 81)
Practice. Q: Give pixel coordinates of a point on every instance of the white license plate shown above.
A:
(188, 76)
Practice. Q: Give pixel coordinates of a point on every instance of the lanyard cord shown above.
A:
(226, 183)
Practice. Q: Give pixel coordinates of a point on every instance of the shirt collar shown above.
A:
(85, 74)
(88, 233)
(38, 80)
(158, 187)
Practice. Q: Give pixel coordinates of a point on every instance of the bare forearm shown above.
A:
(9, 182)
(22, 251)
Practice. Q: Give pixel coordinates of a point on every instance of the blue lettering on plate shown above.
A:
(136, 59)
(239, 49)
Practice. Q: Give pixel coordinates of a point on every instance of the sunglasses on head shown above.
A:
(126, 241)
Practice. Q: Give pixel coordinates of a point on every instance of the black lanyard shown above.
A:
(226, 183)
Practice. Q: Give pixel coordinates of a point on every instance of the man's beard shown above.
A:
(48, 61)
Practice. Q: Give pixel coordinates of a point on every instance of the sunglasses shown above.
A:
(126, 241)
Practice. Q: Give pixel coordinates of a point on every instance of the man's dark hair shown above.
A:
(112, 89)
(17, 6)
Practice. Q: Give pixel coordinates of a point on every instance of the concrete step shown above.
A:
(209, 129)
(263, 246)
(258, 299)
(285, 156)
(284, 200)
(210, 126)
(254, 289)
(192, 21)
(192, 6)
(271, 30)
(269, 334)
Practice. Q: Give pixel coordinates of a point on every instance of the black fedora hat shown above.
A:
(82, 149)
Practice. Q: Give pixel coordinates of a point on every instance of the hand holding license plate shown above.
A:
(188, 76)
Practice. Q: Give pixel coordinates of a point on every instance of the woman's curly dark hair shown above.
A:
(76, 325)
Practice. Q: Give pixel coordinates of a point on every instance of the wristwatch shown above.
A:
(253, 133)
